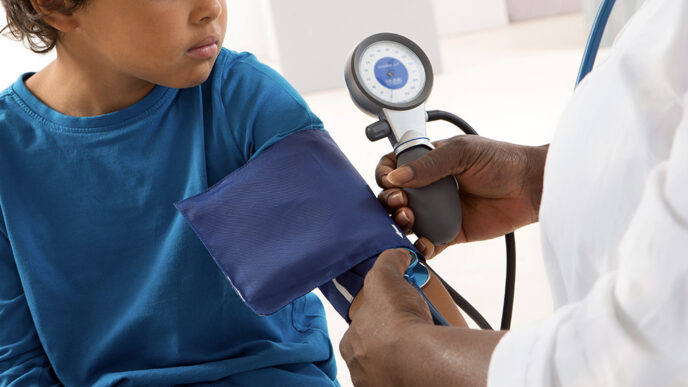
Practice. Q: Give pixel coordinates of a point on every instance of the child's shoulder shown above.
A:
(234, 63)
(6, 103)
(5, 96)
(243, 71)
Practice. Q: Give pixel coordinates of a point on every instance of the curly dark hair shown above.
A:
(25, 24)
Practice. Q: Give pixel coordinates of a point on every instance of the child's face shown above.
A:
(168, 42)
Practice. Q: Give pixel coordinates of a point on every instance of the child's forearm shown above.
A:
(436, 293)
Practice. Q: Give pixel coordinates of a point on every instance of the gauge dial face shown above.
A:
(391, 72)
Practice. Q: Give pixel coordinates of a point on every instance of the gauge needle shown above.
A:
(390, 79)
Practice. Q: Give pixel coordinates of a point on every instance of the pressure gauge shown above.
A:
(390, 77)
(388, 71)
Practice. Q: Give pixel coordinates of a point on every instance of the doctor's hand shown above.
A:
(392, 341)
(500, 185)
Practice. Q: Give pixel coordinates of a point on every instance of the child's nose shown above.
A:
(206, 11)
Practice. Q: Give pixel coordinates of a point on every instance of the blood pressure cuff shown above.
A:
(294, 218)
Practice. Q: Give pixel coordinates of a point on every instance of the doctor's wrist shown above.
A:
(429, 355)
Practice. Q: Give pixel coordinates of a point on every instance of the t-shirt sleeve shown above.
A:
(262, 108)
(632, 328)
(22, 359)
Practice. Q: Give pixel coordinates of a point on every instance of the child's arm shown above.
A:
(22, 359)
(436, 293)
(297, 213)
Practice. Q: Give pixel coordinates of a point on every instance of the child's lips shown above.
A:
(206, 49)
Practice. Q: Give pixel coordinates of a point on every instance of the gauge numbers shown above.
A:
(391, 72)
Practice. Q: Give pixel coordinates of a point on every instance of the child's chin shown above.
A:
(189, 79)
(195, 82)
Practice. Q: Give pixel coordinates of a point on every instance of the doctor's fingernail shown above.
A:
(400, 175)
(421, 246)
(395, 200)
(403, 218)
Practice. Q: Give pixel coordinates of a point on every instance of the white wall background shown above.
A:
(15, 59)
(530, 9)
(282, 33)
(314, 37)
(250, 28)
(456, 17)
(251, 21)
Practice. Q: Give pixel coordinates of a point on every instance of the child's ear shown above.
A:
(54, 13)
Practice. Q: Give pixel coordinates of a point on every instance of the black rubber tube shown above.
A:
(510, 278)
(510, 282)
(434, 115)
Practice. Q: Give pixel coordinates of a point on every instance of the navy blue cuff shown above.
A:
(290, 220)
(340, 291)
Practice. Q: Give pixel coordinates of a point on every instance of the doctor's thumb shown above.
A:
(386, 276)
(425, 170)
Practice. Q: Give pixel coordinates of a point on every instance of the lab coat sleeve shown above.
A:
(22, 359)
(632, 328)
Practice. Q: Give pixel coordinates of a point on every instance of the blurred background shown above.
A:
(508, 67)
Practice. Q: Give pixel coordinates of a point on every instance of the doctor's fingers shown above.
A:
(393, 199)
(390, 294)
(386, 165)
(390, 265)
(427, 248)
(395, 203)
(445, 160)
(391, 309)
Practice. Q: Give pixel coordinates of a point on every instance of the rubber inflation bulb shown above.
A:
(437, 207)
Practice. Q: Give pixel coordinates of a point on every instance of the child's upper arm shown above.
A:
(22, 359)
(261, 106)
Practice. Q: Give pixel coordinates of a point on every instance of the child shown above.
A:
(101, 280)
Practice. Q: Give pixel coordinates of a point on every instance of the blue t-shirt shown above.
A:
(102, 282)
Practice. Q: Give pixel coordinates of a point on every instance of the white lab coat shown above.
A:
(614, 221)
